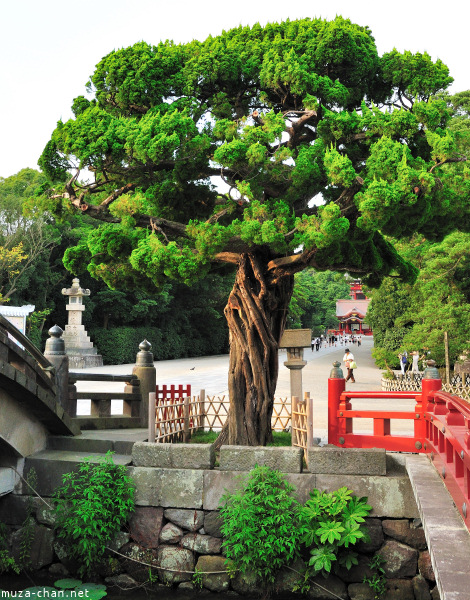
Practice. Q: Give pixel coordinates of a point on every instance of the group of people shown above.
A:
(405, 362)
(333, 340)
(348, 358)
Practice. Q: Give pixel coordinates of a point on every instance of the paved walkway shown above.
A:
(210, 373)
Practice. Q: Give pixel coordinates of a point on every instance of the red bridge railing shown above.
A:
(441, 428)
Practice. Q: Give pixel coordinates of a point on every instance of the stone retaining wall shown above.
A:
(176, 525)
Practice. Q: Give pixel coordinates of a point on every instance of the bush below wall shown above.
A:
(119, 345)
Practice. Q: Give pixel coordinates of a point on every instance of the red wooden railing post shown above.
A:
(431, 382)
(336, 386)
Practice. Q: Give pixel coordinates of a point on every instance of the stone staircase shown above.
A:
(64, 453)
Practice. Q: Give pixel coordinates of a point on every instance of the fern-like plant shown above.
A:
(332, 524)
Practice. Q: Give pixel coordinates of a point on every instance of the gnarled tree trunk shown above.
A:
(256, 314)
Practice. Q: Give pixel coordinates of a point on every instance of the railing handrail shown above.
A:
(74, 376)
(379, 394)
(27, 343)
(462, 405)
(441, 429)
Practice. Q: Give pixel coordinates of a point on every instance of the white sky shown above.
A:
(48, 48)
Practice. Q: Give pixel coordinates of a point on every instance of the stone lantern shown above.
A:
(295, 340)
(78, 346)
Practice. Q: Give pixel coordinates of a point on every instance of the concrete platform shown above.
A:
(446, 535)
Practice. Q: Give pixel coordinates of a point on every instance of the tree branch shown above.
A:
(448, 160)
(115, 195)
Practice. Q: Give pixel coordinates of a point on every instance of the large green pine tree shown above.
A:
(283, 114)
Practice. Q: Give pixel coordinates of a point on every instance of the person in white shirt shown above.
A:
(415, 360)
(348, 359)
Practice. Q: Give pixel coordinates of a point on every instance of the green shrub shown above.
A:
(91, 507)
(261, 524)
(121, 344)
(265, 528)
(377, 581)
(331, 524)
(7, 562)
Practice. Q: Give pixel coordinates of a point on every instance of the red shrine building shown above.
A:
(352, 312)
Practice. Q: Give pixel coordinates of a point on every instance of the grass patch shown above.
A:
(281, 438)
(204, 437)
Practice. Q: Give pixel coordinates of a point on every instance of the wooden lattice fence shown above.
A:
(174, 414)
(302, 422)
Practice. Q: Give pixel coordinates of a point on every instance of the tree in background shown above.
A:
(313, 304)
(25, 243)
(415, 317)
(282, 114)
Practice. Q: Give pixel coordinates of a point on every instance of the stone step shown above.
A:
(50, 465)
(89, 445)
(7, 480)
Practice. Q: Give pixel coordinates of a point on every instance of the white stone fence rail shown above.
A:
(459, 384)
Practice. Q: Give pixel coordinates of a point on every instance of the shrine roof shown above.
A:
(346, 307)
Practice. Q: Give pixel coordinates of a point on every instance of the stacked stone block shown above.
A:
(175, 529)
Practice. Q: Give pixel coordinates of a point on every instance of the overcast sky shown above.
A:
(48, 48)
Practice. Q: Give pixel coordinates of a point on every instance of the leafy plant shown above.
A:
(7, 562)
(331, 524)
(197, 579)
(261, 524)
(377, 581)
(91, 507)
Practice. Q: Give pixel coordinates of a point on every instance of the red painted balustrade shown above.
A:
(441, 428)
(172, 394)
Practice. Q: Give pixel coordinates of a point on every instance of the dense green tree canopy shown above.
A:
(415, 317)
(32, 239)
(283, 114)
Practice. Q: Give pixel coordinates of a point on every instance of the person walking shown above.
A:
(350, 365)
(403, 361)
(415, 361)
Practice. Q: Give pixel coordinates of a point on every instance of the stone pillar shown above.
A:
(146, 372)
(78, 346)
(294, 341)
(55, 354)
(295, 363)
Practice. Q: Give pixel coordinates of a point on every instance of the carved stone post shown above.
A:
(55, 354)
(295, 340)
(146, 372)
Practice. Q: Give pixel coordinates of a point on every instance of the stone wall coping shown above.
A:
(348, 461)
(173, 456)
(447, 537)
(244, 458)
